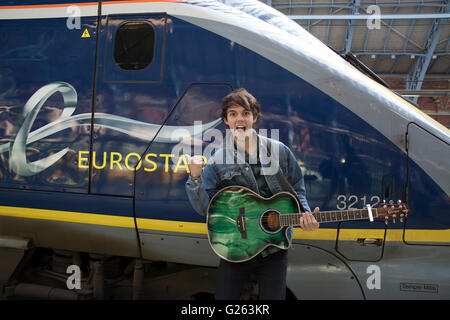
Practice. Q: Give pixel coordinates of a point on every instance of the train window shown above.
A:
(134, 45)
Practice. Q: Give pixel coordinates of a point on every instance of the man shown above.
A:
(243, 161)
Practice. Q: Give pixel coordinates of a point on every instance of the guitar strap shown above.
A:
(286, 186)
(283, 182)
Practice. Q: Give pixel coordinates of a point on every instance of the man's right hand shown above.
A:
(195, 165)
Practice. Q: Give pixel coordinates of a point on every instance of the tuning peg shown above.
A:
(391, 201)
(384, 201)
(399, 201)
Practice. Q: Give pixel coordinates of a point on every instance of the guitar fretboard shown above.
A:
(328, 216)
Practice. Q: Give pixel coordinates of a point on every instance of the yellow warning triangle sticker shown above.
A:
(86, 34)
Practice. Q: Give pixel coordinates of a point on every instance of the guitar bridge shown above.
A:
(240, 222)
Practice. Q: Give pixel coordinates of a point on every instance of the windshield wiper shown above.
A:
(354, 61)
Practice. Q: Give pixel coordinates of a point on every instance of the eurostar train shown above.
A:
(96, 98)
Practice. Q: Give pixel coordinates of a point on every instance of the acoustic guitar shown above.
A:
(242, 223)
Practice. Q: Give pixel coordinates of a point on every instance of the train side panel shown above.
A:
(106, 174)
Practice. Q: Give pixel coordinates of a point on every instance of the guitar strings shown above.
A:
(267, 218)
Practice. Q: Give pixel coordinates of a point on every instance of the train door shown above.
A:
(426, 233)
(130, 105)
(131, 100)
(430, 219)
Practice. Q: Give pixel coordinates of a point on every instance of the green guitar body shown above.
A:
(241, 223)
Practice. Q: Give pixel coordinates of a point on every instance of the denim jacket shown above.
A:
(227, 167)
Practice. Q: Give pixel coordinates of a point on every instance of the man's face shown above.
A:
(239, 120)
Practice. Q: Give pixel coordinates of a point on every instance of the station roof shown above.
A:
(405, 42)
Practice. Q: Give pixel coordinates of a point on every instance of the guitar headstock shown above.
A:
(391, 211)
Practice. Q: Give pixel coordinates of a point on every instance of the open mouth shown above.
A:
(240, 128)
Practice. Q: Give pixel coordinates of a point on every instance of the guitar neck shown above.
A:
(293, 219)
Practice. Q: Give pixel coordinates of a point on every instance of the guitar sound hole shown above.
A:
(270, 221)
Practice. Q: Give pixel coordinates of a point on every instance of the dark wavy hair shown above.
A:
(243, 98)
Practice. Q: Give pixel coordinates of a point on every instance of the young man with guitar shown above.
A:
(242, 166)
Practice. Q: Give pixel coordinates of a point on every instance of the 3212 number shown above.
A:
(353, 202)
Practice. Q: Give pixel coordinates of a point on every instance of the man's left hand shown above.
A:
(308, 222)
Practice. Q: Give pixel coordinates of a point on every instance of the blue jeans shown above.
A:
(269, 271)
